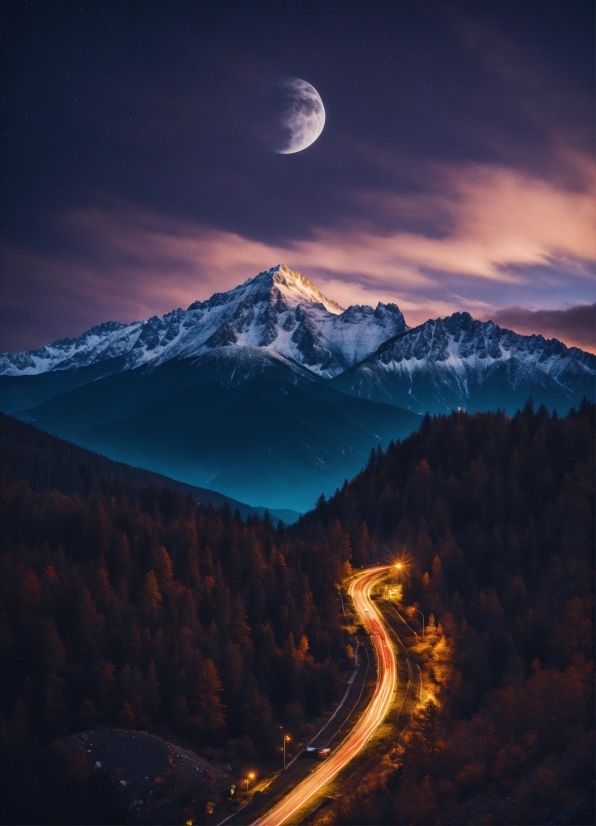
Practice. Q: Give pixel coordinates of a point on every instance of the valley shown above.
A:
(131, 607)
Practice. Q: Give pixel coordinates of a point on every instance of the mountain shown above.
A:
(52, 464)
(278, 309)
(242, 422)
(457, 361)
(271, 393)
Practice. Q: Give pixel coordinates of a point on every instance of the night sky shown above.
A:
(455, 170)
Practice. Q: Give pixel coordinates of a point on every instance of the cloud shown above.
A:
(494, 222)
(493, 229)
(553, 109)
(576, 326)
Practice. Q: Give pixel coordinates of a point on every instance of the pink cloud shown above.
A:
(132, 263)
(497, 219)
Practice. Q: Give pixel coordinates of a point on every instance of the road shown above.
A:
(371, 719)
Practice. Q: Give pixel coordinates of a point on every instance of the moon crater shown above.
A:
(303, 116)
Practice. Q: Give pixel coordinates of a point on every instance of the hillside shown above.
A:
(493, 521)
(128, 605)
(49, 463)
(133, 607)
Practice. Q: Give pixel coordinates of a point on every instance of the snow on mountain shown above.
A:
(279, 310)
(279, 316)
(452, 359)
(239, 393)
(106, 341)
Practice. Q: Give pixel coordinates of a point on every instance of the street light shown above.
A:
(251, 776)
(422, 615)
(287, 738)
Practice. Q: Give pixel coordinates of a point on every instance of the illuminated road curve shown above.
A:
(371, 719)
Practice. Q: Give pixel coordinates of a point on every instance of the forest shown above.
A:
(130, 605)
(495, 519)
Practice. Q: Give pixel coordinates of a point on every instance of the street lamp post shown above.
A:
(422, 615)
(250, 776)
(286, 739)
(342, 602)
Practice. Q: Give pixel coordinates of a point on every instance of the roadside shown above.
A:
(359, 692)
(273, 787)
(322, 812)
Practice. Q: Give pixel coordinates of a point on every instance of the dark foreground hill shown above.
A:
(156, 780)
(129, 605)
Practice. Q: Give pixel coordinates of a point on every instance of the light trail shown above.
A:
(371, 719)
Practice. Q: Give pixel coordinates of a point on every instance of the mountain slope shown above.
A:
(271, 393)
(460, 362)
(278, 309)
(494, 519)
(50, 463)
(272, 433)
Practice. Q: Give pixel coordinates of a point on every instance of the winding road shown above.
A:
(371, 719)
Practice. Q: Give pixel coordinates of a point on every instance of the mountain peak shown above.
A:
(293, 285)
(444, 363)
(278, 309)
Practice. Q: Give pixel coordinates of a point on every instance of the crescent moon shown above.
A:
(304, 117)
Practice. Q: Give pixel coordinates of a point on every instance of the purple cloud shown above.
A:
(576, 326)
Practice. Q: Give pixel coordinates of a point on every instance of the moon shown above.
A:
(303, 117)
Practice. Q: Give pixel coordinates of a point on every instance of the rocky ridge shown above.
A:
(279, 319)
(453, 358)
(279, 309)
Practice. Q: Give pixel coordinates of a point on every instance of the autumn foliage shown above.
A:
(132, 606)
(497, 518)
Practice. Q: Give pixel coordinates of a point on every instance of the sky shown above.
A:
(455, 170)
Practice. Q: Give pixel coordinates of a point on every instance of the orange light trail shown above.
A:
(360, 590)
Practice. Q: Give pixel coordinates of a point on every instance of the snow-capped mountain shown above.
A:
(460, 362)
(278, 309)
(271, 393)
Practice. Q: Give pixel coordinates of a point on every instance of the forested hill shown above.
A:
(494, 518)
(484, 481)
(130, 605)
(50, 463)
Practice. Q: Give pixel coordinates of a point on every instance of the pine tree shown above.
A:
(151, 598)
